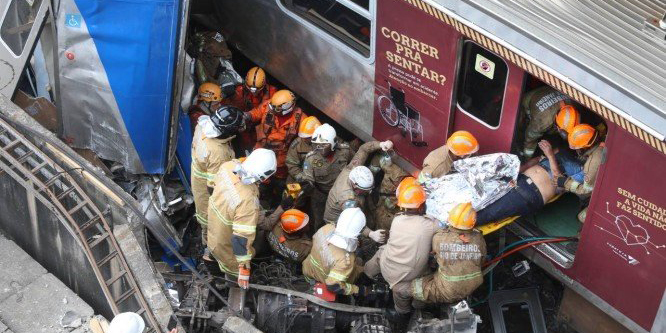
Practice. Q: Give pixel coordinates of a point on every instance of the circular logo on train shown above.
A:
(485, 66)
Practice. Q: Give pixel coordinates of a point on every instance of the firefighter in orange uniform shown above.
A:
(278, 123)
(248, 96)
(208, 100)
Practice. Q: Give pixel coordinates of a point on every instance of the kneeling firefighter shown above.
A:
(235, 212)
(211, 147)
(460, 251)
(289, 238)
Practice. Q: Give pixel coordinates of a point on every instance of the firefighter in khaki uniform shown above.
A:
(385, 209)
(332, 260)
(540, 106)
(460, 251)
(352, 186)
(288, 238)
(405, 255)
(211, 147)
(321, 168)
(278, 122)
(585, 140)
(235, 211)
(300, 147)
(461, 144)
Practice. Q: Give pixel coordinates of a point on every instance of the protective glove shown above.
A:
(379, 236)
(243, 277)
(386, 145)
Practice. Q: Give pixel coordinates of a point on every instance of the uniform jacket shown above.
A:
(331, 265)
(322, 171)
(208, 155)
(386, 207)
(295, 248)
(405, 255)
(438, 163)
(245, 101)
(295, 157)
(593, 158)
(541, 105)
(233, 216)
(274, 136)
(342, 195)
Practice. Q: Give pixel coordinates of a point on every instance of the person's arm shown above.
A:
(255, 115)
(530, 163)
(267, 223)
(548, 151)
(293, 162)
(590, 169)
(244, 230)
(336, 281)
(364, 152)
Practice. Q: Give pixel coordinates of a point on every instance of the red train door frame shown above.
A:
(475, 108)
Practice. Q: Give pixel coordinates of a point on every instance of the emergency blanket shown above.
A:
(480, 180)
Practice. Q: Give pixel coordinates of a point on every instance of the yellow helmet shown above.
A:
(462, 143)
(462, 216)
(308, 126)
(282, 102)
(255, 79)
(210, 92)
(412, 196)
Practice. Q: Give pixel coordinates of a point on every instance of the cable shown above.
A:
(504, 255)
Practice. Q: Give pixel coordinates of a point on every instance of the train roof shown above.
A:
(598, 45)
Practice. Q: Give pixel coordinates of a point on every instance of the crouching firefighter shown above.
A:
(460, 251)
(461, 144)
(211, 147)
(235, 211)
(332, 260)
(288, 238)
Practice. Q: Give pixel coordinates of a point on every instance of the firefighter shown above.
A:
(541, 106)
(211, 147)
(300, 147)
(352, 186)
(235, 211)
(332, 260)
(279, 120)
(461, 144)
(405, 255)
(584, 139)
(288, 237)
(247, 96)
(385, 209)
(208, 100)
(460, 251)
(321, 168)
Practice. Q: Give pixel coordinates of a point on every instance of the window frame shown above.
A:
(461, 67)
(370, 14)
(2, 21)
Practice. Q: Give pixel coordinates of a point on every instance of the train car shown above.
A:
(414, 71)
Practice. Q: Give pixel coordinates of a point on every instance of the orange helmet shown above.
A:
(210, 92)
(462, 143)
(412, 196)
(406, 182)
(282, 102)
(293, 220)
(582, 136)
(462, 216)
(308, 126)
(567, 118)
(255, 79)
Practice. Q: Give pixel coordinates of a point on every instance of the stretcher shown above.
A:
(494, 226)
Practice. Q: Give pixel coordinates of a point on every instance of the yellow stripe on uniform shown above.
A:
(200, 174)
(201, 219)
(246, 257)
(337, 276)
(417, 285)
(243, 228)
(219, 215)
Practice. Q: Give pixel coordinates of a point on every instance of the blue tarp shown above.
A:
(137, 44)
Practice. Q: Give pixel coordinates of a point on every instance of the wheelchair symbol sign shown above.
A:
(73, 20)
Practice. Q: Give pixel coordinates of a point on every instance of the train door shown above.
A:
(19, 29)
(487, 97)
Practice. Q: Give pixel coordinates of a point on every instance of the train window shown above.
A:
(346, 20)
(17, 24)
(481, 83)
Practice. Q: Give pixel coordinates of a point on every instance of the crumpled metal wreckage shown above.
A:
(480, 180)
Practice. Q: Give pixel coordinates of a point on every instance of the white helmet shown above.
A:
(260, 165)
(324, 134)
(127, 322)
(350, 224)
(361, 177)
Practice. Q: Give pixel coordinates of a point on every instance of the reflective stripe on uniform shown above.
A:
(316, 265)
(246, 257)
(337, 276)
(243, 228)
(456, 278)
(219, 215)
(226, 270)
(417, 286)
(201, 219)
(200, 174)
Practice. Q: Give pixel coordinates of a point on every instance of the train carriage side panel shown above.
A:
(622, 253)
